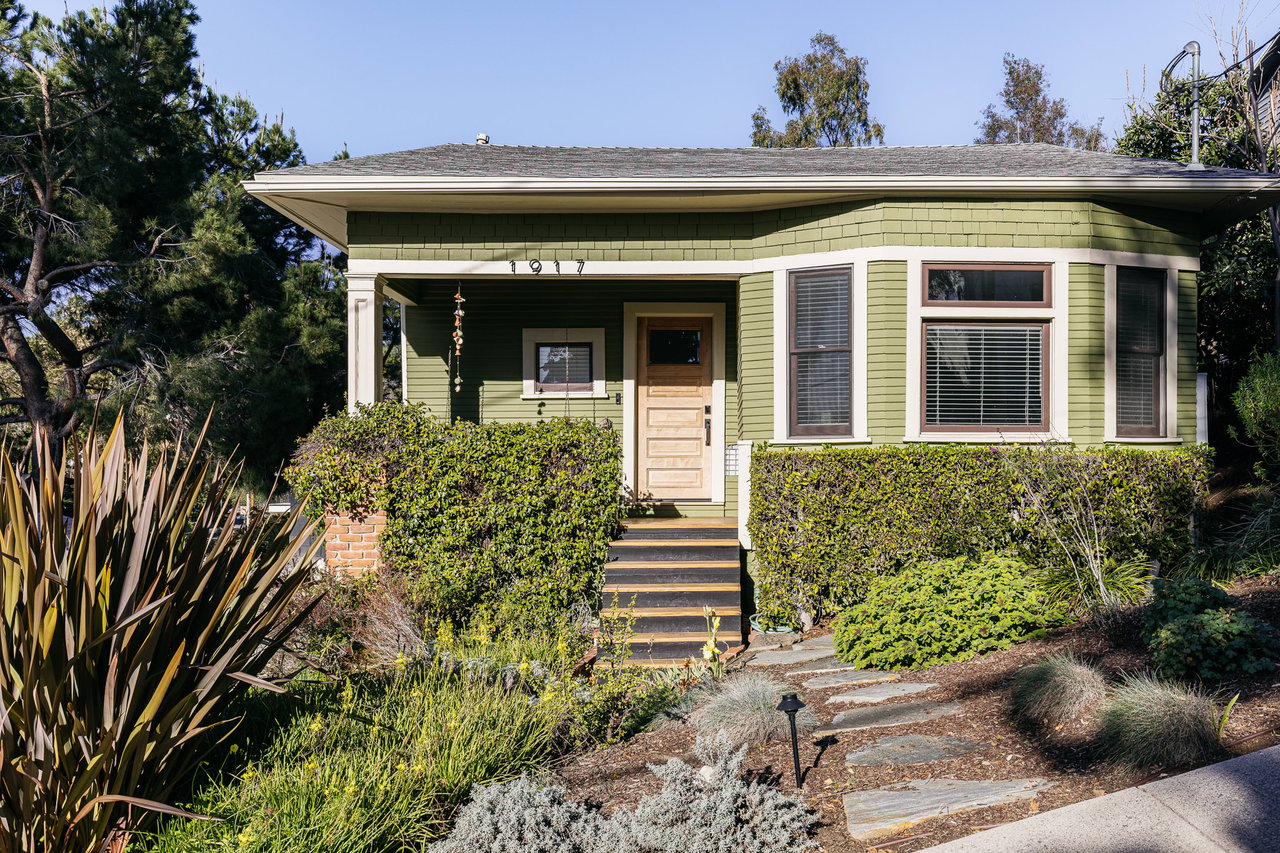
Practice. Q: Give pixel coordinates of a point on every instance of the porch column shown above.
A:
(364, 338)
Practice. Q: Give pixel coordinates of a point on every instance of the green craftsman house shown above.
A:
(700, 300)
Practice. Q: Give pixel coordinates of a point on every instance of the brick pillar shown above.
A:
(351, 544)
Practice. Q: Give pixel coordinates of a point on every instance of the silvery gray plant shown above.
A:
(706, 809)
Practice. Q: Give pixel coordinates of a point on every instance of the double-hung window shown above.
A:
(985, 370)
(821, 352)
(563, 363)
(1140, 351)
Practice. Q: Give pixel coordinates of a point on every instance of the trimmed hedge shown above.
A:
(826, 522)
(510, 522)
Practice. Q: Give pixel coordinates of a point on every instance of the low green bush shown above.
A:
(1214, 644)
(1056, 690)
(1173, 599)
(944, 611)
(509, 522)
(1149, 724)
(827, 522)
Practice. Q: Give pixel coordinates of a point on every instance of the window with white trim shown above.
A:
(563, 363)
(985, 369)
(1140, 351)
(820, 352)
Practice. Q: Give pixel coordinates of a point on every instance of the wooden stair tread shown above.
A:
(671, 637)
(620, 612)
(672, 587)
(672, 564)
(674, 543)
(678, 523)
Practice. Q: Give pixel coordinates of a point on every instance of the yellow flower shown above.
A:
(316, 725)
(234, 748)
(311, 765)
(246, 838)
(402, 767)
(419, 768)
(350, 790)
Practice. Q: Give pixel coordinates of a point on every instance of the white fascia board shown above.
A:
(266, 183)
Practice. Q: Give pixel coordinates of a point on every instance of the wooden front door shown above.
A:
(673, 409)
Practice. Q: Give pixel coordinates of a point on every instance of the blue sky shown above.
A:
(384, 75)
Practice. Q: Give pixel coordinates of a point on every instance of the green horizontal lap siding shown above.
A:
(1188, 356)
(755, 345)
(887, 384)
(1086, 353)
(1026, 223)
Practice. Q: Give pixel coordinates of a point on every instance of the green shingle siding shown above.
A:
(791, 231)
(1086, 352)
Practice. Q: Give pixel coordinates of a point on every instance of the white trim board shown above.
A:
(734, 269)
(631, 312)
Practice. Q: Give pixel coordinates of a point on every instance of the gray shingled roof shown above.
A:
(1034, 160)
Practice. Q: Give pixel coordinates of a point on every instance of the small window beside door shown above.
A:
(675, 346)
(563, 363)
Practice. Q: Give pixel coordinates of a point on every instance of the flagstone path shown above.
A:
(889, 810)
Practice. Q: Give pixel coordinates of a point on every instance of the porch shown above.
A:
(657, 360)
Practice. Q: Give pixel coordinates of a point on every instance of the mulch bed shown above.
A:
(618, 775)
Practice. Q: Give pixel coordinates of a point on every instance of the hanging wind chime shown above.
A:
(457, 339)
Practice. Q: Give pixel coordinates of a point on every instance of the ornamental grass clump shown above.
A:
(1149, 724)
(134, 610)
(745, 708)
(1056, 690)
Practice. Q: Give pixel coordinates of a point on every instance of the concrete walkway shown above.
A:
(1231, 806)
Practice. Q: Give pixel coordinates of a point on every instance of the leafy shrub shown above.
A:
(826, 522)
(376, 765)
(510, 522)
(1056, 690)
(1150, 724)
(711, 810)
(1214, 644)
(1174, 599)
(1257, 400)
(745, 708)
(945, 611)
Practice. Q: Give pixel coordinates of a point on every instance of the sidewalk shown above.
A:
(1231, 806)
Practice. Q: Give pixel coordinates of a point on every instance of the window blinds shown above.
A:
(984, 376)
(564, 364)
(1139, 349)
(821, 364)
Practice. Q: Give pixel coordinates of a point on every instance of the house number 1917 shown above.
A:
(535, 266)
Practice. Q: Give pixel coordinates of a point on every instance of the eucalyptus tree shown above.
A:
(1028, 114)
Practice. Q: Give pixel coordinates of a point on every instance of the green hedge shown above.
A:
(825, 522)
(507, 521)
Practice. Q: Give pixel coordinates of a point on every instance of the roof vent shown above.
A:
(482, 139)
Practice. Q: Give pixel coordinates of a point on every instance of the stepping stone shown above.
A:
(886, 715)
(910, 749)
(850, 677)
(784, 657)
(881, 692)
(823, 664)
(826, 641)
(888, 811)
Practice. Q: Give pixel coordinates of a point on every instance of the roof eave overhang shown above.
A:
(321, 203)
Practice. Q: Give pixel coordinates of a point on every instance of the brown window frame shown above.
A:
(1161, 374)
(1047, 269)
(807, 430)
(563, 387)
(1043, 426)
